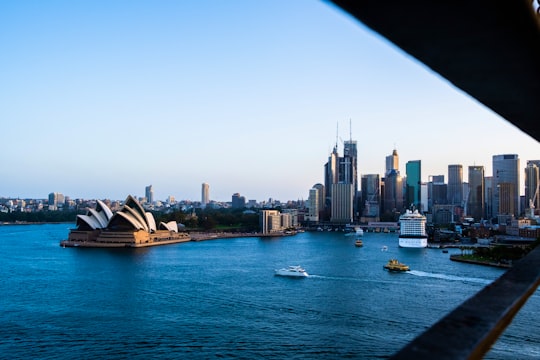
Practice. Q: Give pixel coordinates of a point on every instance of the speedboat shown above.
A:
(294, 271)
(394, 265)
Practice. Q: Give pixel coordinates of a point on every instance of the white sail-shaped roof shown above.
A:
(150, 221)
(100, 217)
(89, 221)
(101, 206)
(129, 218)
(171, 226)
(133, 212)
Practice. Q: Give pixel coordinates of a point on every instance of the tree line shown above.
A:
(236, 220)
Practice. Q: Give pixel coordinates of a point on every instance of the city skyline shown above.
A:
(177, 94)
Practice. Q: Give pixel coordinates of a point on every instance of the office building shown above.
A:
(532, 181)
(392, 162)
(205, 194)
(341, 185)
(413, 182)
(393, 194)
(506, 185)
(455, 185)
(313, 205)
(238, 202)
(371, 197)
(475, 200)
(149, 194)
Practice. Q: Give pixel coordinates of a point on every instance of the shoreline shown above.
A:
(459, 258)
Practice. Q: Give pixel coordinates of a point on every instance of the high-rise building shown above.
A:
(506, 184)
(330, 178)
(532, 184)
(488, 197)
(205, 194)
(371, 196)
(413, 182)
(270, 221)
(455, 185)
(238, 202)
(342, 203)
(392, 162)
(149, 193)
(437, 191)
(313, 205)
(393, 193)
(321, 192)
(350, 156)
(476, 201)
(341, 185)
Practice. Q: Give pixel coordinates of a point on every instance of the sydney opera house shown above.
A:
(131, 226)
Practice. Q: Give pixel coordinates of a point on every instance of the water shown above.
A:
(220, 299)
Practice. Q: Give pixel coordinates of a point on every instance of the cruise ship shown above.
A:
(412, 233)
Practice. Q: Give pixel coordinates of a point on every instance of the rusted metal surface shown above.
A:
(488, 48)
(470, 330)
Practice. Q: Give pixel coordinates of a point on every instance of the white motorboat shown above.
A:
(295, 271)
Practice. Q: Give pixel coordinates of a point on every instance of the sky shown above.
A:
(99, 99)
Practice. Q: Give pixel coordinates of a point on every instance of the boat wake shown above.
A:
(449, 277)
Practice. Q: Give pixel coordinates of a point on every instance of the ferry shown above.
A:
(412, 230)
(394, 265)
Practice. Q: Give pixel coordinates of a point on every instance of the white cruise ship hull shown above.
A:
(412, 242)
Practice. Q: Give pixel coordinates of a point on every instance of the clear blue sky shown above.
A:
(100, 98)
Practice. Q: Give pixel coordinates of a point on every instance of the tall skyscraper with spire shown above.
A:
(341, 184)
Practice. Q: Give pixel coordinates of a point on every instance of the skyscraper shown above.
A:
(392, 162)
(371, 196)
(149, 194)
(330, 178)
(455, 185)
(393, 194)
(313, 205)
(341, 184)
(238, 202)
(506, 184)
(532, 184)
(475, 201)
(350, 152)
(205, 195)
(413, 171)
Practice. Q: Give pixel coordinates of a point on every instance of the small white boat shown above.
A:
(295, 271)
(384, 248)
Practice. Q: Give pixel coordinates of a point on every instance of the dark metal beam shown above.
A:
(488, 48)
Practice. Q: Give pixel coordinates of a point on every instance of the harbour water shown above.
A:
(220, 298)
